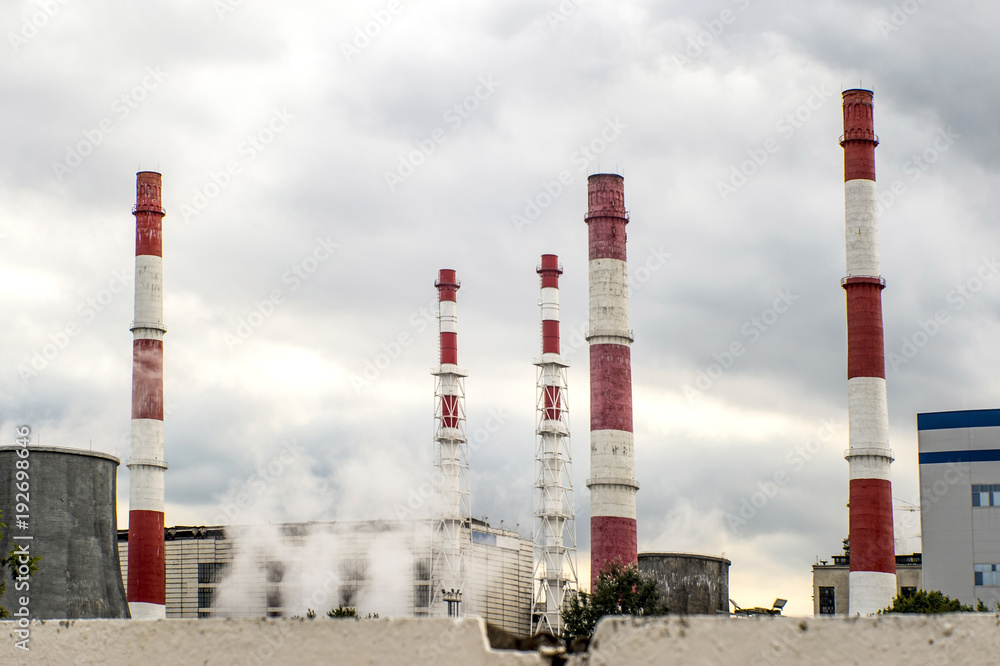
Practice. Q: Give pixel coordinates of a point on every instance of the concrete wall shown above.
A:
(837, 577)
(909, 640)
(73, 521)
(689, 584)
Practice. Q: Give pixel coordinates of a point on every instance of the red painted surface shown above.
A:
(449, 411)
(606, 216)
(610, 388)
(147, 573)
(147, 379)
(859, 138)
(549, 270)
(148, 214)
(447, 285)
(611, 537)
(449, 347)
(865, 345)
(550, 336)
(553, 402)
(872, 544)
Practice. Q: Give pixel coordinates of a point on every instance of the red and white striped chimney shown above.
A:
(612, 463)
(146, 563)
(872, 578)
(452, 536)
(555, 524)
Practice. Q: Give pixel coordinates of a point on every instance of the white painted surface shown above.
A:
(550, 303)
(141, 610)
(449, 317)
(611, 500)
(861, 227)
(145, 488)
(868, 413)
(148, 291)
(611, 454)
(608, 296)
(147, 439)
(870, 592)
(146, 466)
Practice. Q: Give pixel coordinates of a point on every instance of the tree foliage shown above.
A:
(11, 561)
(923, 601)
(618, 590)
(341, 611)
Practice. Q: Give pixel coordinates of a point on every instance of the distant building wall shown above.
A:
(72, 520)
(204, 561)
(831, 588)
(959, 454)
(689, 584)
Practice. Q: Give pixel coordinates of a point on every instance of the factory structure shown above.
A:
(959, 457)
(873, 563)
(959, 451)
(452, 564)
(69, 520)
(146, 582)
(612, 483)
(376, 566)
(555, 515)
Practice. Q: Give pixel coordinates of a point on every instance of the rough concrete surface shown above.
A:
(407, 641)
(965, 638)
(912, 640)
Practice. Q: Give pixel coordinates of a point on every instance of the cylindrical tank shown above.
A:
(689, 584)
(73, 522)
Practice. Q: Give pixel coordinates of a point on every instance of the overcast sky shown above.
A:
(321, 162)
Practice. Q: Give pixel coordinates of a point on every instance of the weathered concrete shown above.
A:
(74, 528)
(409, 641)
(969, 638)
(689, 584)
(908, 640)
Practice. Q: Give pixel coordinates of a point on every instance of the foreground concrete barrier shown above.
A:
(409, 642)
(964, 638)
(911, 640)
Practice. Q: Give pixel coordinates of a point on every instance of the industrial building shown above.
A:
(872, 565)
(689, 584)
(613, 534)
(374, 566)
(147, 466)
(555, 513)
(831, 582)
(449, 561)
(959, 454)
(68, 518)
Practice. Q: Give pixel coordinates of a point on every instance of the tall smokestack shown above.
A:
(555, 519)
(873, 556)
(146, 563)
(612, 463)
(451, 549)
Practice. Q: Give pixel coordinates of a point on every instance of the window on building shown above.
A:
(985, 494)
(274, 597)
(275, 572)
(210, 572)
(422, 569)
(827, 601)
(206, 597)
(987, 575)
(907, 591)
(353, 570)
(422, 596)
(348, 594)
